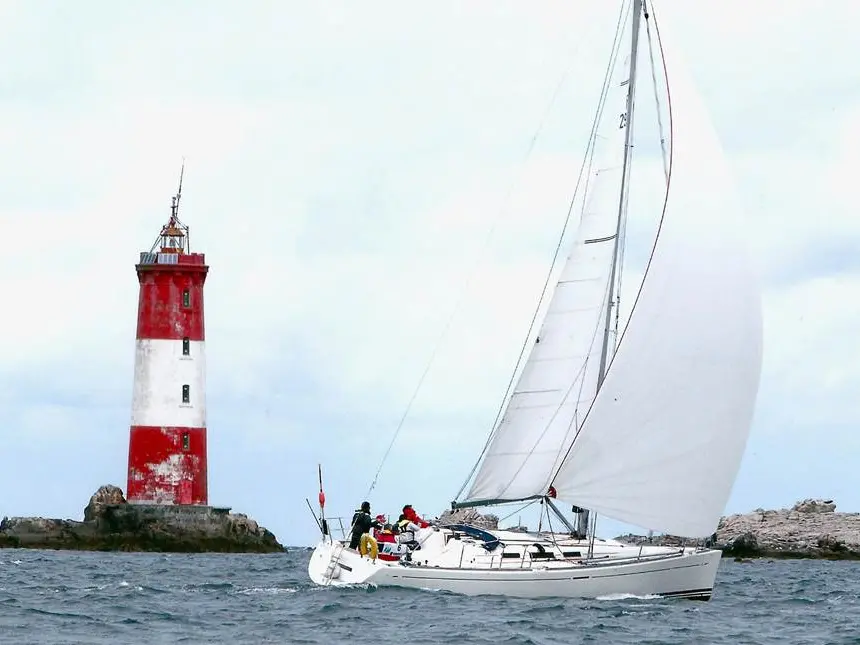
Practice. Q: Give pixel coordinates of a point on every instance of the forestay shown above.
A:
(559, 378)
(663, 442)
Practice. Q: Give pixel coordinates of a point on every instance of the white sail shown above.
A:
(663, 442)
(559, 378)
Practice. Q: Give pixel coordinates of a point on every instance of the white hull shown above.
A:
(622, 570)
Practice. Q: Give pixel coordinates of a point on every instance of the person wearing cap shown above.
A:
(386, 533)
(362, 522)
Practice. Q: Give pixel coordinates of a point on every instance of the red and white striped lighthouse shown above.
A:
(167, 446)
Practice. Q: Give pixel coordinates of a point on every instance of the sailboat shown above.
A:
(646, 426)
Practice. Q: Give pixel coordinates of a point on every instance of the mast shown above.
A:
(582, 521)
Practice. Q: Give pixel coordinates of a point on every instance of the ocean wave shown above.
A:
(125, 599)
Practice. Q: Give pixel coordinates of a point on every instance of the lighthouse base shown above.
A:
(167, 465)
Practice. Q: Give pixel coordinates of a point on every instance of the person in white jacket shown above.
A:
(406, 530)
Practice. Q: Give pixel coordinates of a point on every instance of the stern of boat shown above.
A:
(332, 563)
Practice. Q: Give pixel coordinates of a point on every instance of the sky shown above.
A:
(361, 179)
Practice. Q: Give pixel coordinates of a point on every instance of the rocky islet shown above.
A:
(112, 524)
(810, 529)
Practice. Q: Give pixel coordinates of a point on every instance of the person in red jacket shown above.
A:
(412, 516)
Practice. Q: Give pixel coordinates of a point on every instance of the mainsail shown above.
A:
(559, 377)
(660, 445)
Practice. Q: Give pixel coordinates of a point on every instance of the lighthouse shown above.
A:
(167, 442)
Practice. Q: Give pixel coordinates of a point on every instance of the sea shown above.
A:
(74, 598)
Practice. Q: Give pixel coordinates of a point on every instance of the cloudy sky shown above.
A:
(354, 176)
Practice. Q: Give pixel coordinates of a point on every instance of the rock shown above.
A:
(811, 528)
(241, 524)
(655, 540)
(469, 516)
(830, 543)
(112, 524)
(814, 506)
(105, 495)
(743, 546)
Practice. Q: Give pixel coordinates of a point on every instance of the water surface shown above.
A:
(70, 598)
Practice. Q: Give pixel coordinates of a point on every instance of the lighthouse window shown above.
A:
(186, 393)
(186, 441)
(186, 346)
(186, 298)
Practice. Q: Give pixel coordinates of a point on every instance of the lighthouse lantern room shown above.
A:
(167, 443)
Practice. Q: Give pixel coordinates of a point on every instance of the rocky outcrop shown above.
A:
(810, 529)
(105, 496)
(656, 540)
(111, 524)
(469, 516)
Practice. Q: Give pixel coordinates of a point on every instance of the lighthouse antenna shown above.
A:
(174, 235)
(174, 208)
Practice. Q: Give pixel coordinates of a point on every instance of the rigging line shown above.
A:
(467, 283)
(584, 367)
(664, 158)
(588, 159)
(653, 246)
(558, 408)
(585, 161)
(576, 379)
(622, 248)
(519, 510)
(551, 531)
(574, 422)
(662, 130)
(558, 457)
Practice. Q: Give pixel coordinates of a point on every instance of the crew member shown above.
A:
(412, 516)
(362, 522)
